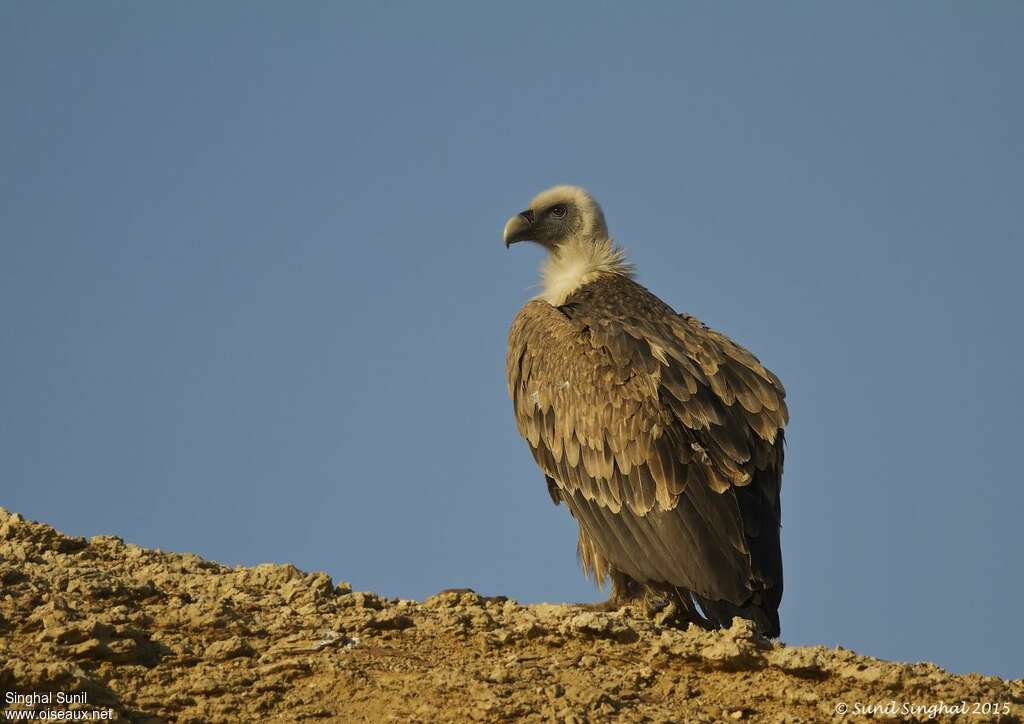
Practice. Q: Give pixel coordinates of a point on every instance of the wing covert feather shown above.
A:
(620, 398)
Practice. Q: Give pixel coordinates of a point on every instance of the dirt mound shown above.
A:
(149, 636)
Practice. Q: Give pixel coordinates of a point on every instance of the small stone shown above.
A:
(554, 691)
(499, 675)
(91, 649)
(389, 622)
(361, 599)
(804, 662)
(229, 648)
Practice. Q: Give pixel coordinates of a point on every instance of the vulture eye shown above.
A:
(558, 210)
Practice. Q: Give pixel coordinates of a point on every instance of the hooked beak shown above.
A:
(518, 228)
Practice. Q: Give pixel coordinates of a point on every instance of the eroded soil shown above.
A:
(158, 636)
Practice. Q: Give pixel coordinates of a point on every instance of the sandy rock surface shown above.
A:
(152, 636)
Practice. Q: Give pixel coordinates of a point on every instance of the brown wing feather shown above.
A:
(628, 406)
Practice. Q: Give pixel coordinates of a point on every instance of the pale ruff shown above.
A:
(576, 263)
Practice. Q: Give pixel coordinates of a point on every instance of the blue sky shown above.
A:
(254, 301)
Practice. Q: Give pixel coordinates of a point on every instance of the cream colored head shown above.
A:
(569, 223)
(558, 215)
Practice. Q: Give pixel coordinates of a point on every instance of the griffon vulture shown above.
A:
(663, 437)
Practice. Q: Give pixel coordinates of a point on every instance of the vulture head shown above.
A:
(567, 222)
(559, 215)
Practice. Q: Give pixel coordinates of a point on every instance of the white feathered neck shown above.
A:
(578, 262)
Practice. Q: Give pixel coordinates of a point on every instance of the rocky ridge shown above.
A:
(151, 636)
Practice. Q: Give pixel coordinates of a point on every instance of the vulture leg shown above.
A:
(688, 612)
(722, 613)
(675, 607)
(624, 590)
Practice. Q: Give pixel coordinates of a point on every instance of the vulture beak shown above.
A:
(518, 228)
